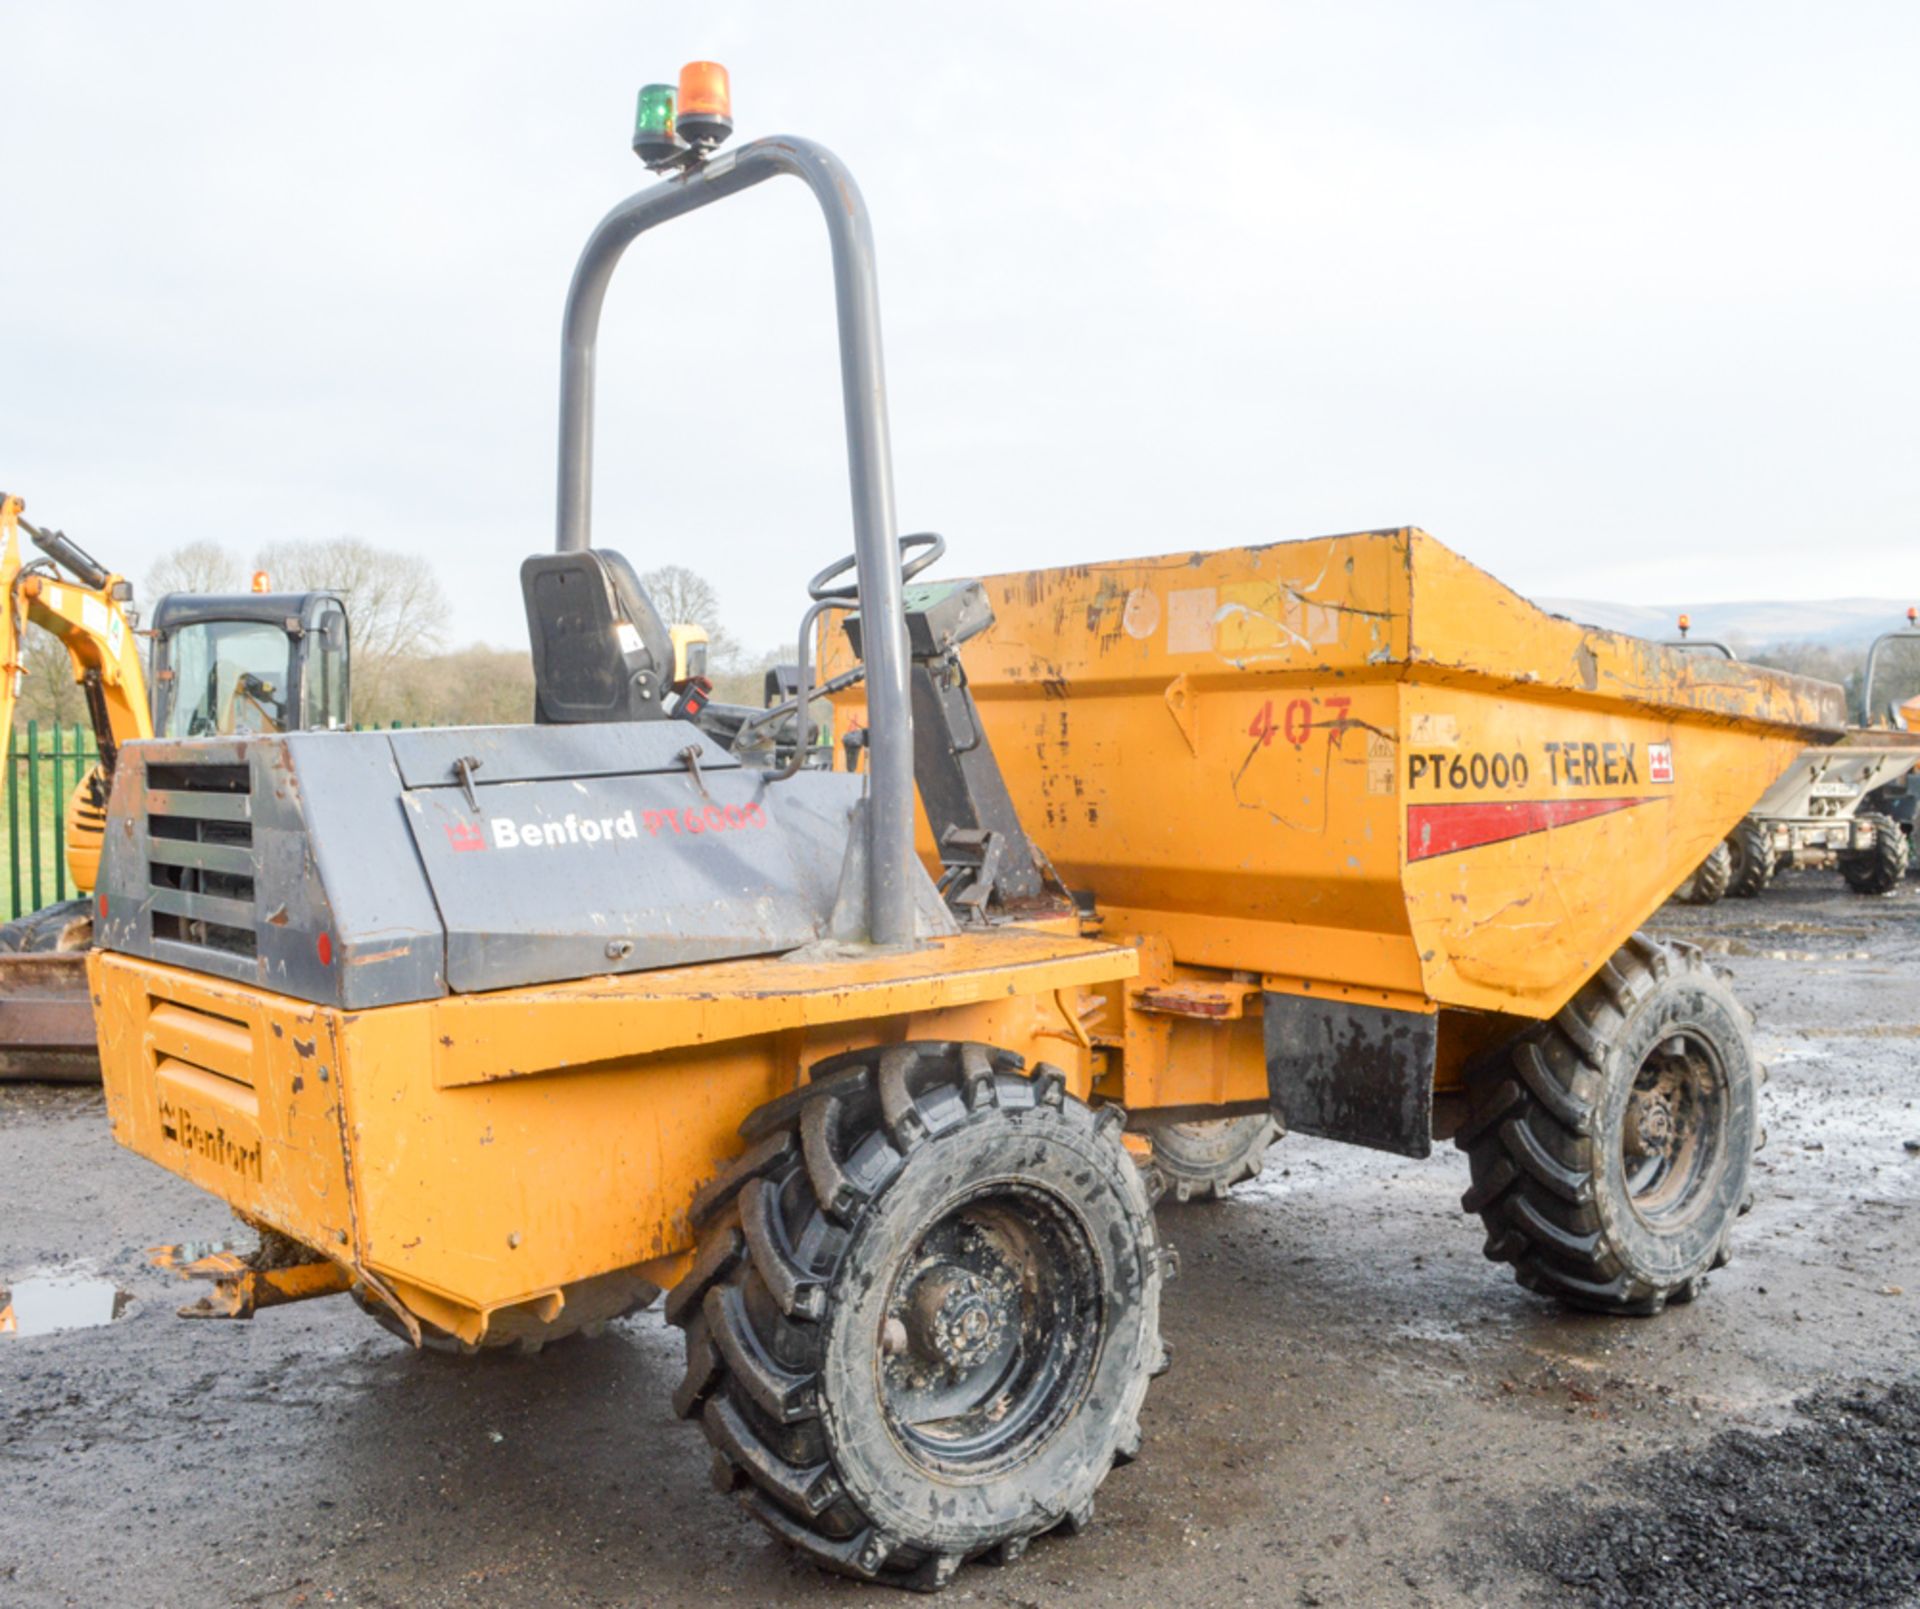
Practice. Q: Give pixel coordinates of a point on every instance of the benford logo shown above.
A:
(505, 833)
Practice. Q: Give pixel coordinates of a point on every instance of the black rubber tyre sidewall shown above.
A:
(1707, 883)
(1182, 1157)
(1090, 1177)
(1668, 1260)
(1750, 849)
(1881, 869)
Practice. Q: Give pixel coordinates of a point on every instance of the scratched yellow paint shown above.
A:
(1222, 747)
(487, 1151)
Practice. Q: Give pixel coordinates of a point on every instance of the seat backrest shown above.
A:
(600, 649)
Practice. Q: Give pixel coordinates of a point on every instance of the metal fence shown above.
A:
(43, 768)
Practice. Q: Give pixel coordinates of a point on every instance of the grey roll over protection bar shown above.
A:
(889, 814)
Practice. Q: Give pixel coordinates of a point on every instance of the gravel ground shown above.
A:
(1823, 1512)
(1361, 1409)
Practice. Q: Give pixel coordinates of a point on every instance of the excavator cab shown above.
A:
(250, 663)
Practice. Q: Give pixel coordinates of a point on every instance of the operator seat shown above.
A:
(600, 649)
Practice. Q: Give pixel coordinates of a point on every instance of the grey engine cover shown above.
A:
(352, 870)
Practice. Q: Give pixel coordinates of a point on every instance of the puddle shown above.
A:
(43, 1304)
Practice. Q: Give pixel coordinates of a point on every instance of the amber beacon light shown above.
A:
(703, 110)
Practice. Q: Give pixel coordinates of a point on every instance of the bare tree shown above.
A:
(1842, 665)
(196, 567)
(473, 686)
(395, 605)
(48, 692)
(686, 598)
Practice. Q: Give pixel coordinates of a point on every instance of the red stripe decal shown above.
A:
(1445, 829)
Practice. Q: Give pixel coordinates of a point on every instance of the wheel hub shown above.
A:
(955, 1318)
(1650, 1124)
(1672, 1130)
(983, 1342)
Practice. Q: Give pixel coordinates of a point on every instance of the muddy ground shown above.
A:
(1361, 1410)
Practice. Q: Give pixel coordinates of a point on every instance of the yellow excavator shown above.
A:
(70, 594)
(227, 665)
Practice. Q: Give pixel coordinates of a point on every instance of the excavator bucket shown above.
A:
(46, 1020)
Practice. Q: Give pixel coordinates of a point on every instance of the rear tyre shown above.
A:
(591, 1305)
(923, 1311)
(1750, 846)
(1611, 1147)
(1709, 881)
(1877, 870)
(1203, 1161)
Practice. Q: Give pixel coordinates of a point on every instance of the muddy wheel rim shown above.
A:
(990, 1332)
(1674, 1134)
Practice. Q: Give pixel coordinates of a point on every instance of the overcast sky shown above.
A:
(1621, 301)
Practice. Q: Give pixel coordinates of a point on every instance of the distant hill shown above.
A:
(1836, 623)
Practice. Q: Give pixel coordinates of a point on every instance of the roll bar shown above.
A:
(1699, 645)
(889, 814)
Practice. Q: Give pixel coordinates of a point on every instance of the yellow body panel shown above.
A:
(1360, 762)
(487, 1151)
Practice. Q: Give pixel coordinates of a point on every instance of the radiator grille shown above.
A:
(200, 856)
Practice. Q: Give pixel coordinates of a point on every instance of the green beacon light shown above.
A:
(654, 140)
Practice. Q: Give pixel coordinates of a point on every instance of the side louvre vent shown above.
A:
(200, 856)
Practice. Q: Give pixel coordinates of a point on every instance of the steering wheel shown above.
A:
(818, 589)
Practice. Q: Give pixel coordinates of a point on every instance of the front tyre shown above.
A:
(923, 1311)
(1611, 1147)
(1877, 870)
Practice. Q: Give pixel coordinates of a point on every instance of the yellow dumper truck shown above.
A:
(500, 1029)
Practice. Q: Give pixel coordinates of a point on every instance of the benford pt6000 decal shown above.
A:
(503, 832)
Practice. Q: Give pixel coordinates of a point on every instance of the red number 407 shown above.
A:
(1296, 721)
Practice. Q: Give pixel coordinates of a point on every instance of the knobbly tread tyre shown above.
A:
(801, 1242)
(1878, 870)
(1750, 846)
(1707, 884)
(1203, 1161)
(1544, 1132)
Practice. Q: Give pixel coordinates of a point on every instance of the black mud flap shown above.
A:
(1359, 1073)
